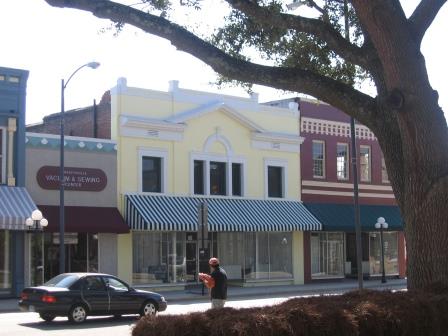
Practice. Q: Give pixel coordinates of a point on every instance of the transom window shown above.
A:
(319, 159)
(364, 163)
(342, 161)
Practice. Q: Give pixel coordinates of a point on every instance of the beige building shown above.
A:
(92, 221)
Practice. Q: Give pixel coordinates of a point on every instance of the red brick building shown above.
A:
(327, 191)
(91, 121)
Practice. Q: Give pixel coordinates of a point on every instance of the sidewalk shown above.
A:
(173, 297)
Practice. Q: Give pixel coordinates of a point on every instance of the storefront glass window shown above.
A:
(159, 257)
(327, 254)
(36, 258)
(280, 255)
(231, 253)
(172, 257)
(268, 255)
(81, 253)
(390, 253)
(5, 265)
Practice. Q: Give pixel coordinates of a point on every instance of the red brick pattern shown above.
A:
(79, 122)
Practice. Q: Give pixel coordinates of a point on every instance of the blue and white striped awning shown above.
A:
(180, 213)
(16, 206)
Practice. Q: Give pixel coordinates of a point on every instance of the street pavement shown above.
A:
(259, 292)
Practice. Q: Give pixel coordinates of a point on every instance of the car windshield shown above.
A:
(62, 281)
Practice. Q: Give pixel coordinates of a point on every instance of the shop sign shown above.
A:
(80, 179)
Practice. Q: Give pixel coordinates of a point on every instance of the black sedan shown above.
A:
(77, 295)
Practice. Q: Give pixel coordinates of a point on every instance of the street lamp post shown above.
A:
(92, 65)
(37, 222)
(382, 225)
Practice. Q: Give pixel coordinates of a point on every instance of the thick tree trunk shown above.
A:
(426, 229)
(418, 161)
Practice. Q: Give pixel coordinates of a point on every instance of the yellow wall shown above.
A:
(124, 245)
(195, 136)
(298, 260)
(159, 105)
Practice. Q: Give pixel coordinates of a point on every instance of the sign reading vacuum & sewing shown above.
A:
(81, 179)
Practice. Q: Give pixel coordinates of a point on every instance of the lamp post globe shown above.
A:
(29, 222)
(36, 215)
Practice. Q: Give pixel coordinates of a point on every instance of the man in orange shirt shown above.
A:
(216, 282)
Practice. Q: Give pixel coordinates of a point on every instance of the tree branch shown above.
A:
(423, 16)
(340, 95)
(268, 18)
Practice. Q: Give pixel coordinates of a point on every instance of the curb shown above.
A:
(10, 305)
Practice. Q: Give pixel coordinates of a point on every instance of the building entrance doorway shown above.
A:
(36, 258)
(191, 256)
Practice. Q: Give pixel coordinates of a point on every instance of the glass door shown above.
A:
(36, 258)
(191, 260)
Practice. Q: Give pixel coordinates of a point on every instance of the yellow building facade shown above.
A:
(201, 175)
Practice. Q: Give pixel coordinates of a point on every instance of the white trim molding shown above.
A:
(217, 137)
(142, 127)
(153, 152)
(345, 193)
(311, 183)
(272, 162)
(282, 142)
(228, 160)
(212, 107)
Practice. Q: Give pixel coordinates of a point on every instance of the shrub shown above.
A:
(362, 313)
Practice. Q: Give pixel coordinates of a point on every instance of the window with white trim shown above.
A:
(364, 163)
(318, 159)
(152, 171)
(384, 175)
(217, 176)
(275, 178)
(342, 161)
(2, 155)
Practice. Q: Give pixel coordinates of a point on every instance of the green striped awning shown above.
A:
(16, 206)
(180, 213)
(341, 217)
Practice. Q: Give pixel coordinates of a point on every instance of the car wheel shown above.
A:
(77, 314)
(46, 317)
(149, 308)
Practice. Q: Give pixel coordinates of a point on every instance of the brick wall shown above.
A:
(79, 122)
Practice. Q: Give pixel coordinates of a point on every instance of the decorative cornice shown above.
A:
(150, 124)
(286, 138)
(335, 128)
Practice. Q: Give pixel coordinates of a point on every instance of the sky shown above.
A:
(51, 43)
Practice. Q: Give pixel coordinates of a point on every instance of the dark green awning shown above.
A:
(341, 217)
